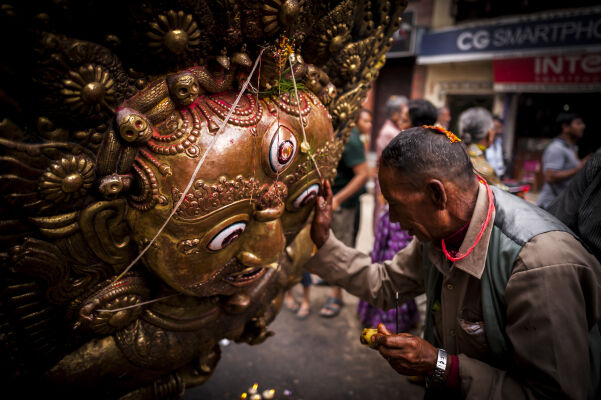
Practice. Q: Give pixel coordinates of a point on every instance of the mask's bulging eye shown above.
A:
(281, 152)
(227, 236)
(306, 197)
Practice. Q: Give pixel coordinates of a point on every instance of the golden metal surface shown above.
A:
(105, 120)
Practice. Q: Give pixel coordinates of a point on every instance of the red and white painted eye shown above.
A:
(282, 150)
(307, 197)
(226, 236)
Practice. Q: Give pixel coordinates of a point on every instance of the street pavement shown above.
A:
(315, 358)
(312, 359)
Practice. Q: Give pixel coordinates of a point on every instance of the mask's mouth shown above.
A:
(246, 276)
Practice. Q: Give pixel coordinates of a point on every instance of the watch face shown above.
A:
(437, 377)
(441, 361)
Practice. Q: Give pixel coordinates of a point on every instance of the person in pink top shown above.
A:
(395, 110)
(397, 114)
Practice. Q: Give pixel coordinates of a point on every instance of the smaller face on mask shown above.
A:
(183, 88)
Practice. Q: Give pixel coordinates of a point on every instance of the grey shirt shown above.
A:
(558, 156)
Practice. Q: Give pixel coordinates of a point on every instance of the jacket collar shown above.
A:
(474, 263)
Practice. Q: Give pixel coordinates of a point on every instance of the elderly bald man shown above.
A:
(513, 297)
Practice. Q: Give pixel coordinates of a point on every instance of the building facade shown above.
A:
(525, 67)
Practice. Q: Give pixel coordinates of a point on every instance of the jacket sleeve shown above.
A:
(553, 300)
(375, 283)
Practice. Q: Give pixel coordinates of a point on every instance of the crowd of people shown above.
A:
(502, 297)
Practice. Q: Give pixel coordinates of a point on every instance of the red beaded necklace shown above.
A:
(491, 207)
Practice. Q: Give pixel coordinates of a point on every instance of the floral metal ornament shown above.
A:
(174, 32)
(67, 179)
(89, 90)
(351, 65)
(334, 39)
(279, 13)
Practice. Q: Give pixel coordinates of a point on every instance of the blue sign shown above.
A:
(523, 35)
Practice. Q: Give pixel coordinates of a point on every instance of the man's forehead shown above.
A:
(394, 178)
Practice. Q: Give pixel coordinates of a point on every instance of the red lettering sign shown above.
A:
(553, 69)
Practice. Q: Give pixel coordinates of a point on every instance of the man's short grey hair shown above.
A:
(474, 124)
(394, 104)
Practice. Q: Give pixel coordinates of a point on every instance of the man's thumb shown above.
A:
(383, 330)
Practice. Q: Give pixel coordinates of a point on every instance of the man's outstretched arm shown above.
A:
(349, 268)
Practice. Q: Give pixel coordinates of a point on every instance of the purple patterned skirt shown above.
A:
(389, 240)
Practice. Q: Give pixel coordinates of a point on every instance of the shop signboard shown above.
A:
(549, 73)
(543, 33)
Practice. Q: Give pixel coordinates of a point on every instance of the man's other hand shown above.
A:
(406, 353)
(320, 229)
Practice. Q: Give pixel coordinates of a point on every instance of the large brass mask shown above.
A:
(251, 197)
(110, 111)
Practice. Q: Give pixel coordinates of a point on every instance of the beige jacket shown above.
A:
(553, 299)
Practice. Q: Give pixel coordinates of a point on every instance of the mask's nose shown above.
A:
(263, 245)
(271, 213)
(270, 205)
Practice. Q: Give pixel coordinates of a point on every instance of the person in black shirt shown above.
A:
(579, 206)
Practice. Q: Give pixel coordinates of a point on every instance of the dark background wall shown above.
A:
(394, 79)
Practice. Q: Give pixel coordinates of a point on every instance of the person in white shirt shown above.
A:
(494, 153)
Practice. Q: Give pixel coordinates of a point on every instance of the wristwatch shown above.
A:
(438, 376)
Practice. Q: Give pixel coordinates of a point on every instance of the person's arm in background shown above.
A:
(354, 185)
(555, 176)
(554, 163)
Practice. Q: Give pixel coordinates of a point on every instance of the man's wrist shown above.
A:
(441, 369)
(323, 240)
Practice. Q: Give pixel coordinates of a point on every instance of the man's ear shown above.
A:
(437, 193)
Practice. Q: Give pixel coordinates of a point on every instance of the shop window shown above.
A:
(537, 112)
(535, 127)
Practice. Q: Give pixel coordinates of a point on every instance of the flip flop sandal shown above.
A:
(292, 305)
(331, 308)
(303, 313)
